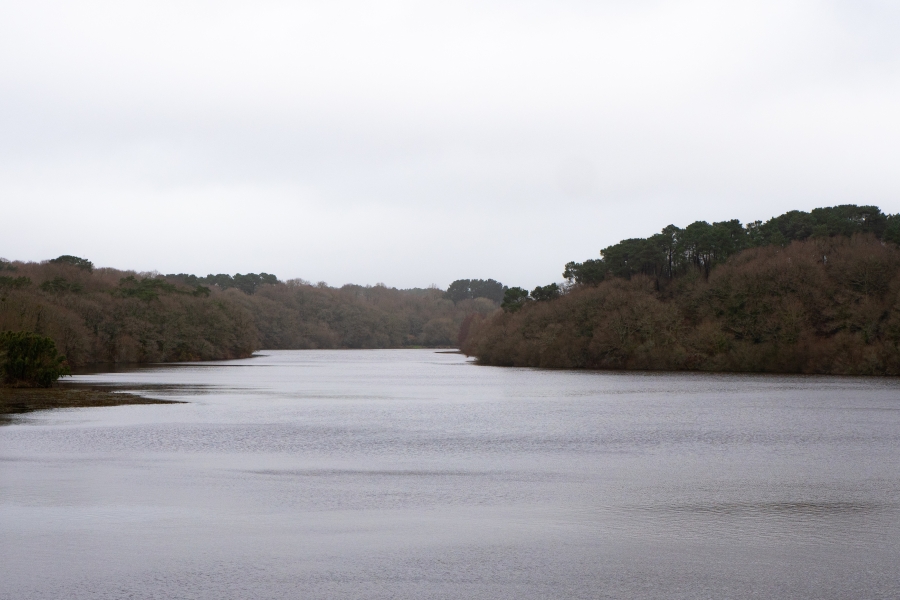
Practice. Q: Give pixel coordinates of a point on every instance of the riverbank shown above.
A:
(24, 400)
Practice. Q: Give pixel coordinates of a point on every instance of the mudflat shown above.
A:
(23, 400)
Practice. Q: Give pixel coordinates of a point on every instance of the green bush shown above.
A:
(29, 359)
(59, 285)
(68, 259)
(14, 283)
(146, 289)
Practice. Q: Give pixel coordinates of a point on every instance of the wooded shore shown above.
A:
(819, 294)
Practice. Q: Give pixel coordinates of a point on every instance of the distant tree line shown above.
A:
(247, 283)
(100, 315)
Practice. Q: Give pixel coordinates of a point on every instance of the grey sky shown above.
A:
(418, 143)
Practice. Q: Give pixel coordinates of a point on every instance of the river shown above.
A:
(417, 474)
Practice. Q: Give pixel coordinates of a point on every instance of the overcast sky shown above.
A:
(415, 143)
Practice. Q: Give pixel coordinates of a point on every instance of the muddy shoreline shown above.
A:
(15, 401)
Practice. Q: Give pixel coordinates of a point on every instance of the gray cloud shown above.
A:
(416, 144)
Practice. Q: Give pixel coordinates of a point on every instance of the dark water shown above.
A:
(412, 474)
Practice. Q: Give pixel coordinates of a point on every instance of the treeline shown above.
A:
(247, 283)
(815, 292)
(700, 246)
(100, 315)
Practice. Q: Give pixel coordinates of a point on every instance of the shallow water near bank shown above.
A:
(416, 474)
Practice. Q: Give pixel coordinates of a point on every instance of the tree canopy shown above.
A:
(701, 245)
(68, 259)
(543, 293)
(248, 283)
(61, 285)
(514, 298)
(14, 283)
(469, 289)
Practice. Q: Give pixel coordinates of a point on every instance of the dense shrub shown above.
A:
(28, 359)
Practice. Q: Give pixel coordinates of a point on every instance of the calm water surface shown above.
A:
(413, 474)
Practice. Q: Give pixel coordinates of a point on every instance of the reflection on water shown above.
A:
(411, 474)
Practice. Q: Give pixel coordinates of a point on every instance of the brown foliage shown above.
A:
(92, 321)
(820, 306)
